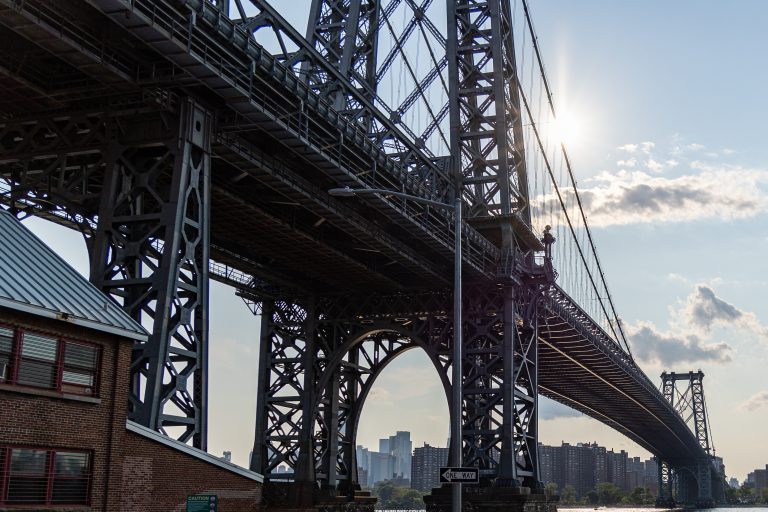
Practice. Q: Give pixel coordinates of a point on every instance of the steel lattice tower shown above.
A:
(323, 354)
(191, 140)
(689, 403)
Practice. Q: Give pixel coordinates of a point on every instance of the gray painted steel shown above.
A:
(34, 279)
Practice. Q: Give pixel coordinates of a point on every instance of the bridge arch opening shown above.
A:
(401, 383)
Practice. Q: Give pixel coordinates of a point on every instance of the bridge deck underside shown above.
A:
(588, 372)
(271, 215)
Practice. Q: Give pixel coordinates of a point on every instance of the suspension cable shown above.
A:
(534, 41)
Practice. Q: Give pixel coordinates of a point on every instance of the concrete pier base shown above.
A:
(492, 499)
(308, 497)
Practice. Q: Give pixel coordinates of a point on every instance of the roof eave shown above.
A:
(70, 319)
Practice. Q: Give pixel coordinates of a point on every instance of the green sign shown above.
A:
(202, 503)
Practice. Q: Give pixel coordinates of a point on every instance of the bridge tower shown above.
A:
(693, 483)
(321, 354)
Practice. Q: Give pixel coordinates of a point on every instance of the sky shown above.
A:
(667, 104)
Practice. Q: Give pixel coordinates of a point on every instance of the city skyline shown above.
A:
(676, 175)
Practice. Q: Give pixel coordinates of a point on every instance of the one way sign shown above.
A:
(459, 475)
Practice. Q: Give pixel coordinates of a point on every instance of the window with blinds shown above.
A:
(6, 350)
(32, 476)
(31, 359)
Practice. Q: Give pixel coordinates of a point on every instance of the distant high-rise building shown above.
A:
(635, 473)
(384, 445)
(401, 448)
(734, 482)
(362, 477)
(382, 467)
(652, 476)
(363, 465)
(617, 469)
(601, 464)
(363, 458)
(585, 465)
(425, 467)
(760, 479)
(549, 463)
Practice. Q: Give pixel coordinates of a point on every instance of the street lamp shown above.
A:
(457, 387)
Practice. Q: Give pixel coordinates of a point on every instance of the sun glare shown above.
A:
(568, 128)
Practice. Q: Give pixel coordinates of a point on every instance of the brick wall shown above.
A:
(157, 477)
(133, 470)
(43, 418)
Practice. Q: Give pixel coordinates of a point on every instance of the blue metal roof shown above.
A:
(36, 280)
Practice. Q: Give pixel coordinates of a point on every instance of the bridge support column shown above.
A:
(500, 399)
(665, 498)
(285, 415)
(150, 252)
(704, 478)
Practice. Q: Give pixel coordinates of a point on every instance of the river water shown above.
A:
(628, 509)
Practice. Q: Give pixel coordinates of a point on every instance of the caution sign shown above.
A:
(202, 503)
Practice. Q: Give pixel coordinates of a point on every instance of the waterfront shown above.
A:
(621, 509)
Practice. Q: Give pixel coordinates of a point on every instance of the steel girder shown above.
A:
(666, 484)
(345, 33)
(689, 402)
(151, 254)
(138, 188)
(315, 371)
(398, 149)
(694, 482)
(318, 364)
(484, 108)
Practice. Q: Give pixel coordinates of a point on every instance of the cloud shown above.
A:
(551, 410)
(630, 162)
(629, 197)
(644, 147)
(652, 346)
(678, 278)
(629, 148)
(380, 396)
(756, 401)
(703, 309)
(650, 185)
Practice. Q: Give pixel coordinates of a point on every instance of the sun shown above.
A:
(568, 128)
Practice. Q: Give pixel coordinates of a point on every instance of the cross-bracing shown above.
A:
(192, 140)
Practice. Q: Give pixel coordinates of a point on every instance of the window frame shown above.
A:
(16, 359)
(49, 474)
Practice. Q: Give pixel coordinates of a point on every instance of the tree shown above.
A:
(608, 493)
(640, 496)
(384, 491)
(391, 496)
(747, 494)
(568, 495)
(550, 488)
(764, 496)
(593, 497)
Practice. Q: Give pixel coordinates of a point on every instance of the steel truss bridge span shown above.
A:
(185, 151)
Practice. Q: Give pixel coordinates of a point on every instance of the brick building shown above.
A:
(425, 467)
(65, 352)
(760, 480)
(583, 466)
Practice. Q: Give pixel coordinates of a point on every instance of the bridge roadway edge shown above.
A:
(438, 243)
